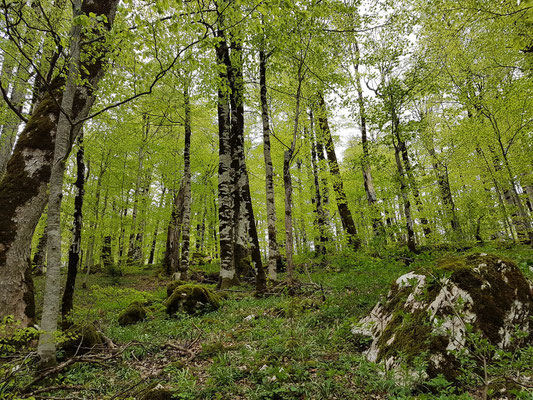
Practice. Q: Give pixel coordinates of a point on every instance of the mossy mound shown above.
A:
(157, 392)
(437, 313)
(81, 338)
(134, 313)
(192, 299)
(173, 285)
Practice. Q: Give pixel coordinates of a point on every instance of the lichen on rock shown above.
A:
(433, 313)
(192, 298)
(134, 313)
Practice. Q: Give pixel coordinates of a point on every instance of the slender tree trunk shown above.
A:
(368, 181)
(287, 182)
(412, 183)
(133, 250)
(273, 252)
(411, 243)
(156, 229)
(523, 223)
(289, 240)
(47, 346)
(441, 172)
(338, 186)
(320, 244)
(75, 247)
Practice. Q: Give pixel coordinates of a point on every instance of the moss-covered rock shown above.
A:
(435, 313)
(173, 285)
(81, 338)
(192, 298)
(157, 392)
(134, 313)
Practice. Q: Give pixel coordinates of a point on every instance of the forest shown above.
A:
(266, 199)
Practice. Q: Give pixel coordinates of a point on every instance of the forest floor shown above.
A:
(275, 347)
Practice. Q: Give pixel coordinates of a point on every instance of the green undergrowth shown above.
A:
(274, 347)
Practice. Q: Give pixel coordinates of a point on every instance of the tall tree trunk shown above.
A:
(186, 221)
(52, 291)
(368, 181)
(273, 252)
(28, 173)
(245, 231)
(412, 182)
(133, 250)
(320, 244)
(228, 276)
(441, 172)
(411, 243)
(289, 240)
(338, 186)
(75, 247)
(500, 198)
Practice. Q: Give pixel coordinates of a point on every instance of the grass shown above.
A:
(276, 347)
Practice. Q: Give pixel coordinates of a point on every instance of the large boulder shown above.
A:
(437, 312)
(192, 299)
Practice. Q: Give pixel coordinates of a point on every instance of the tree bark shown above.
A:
(39, 258)
(156, 229)
(75, 247)
(186, 220)
(412, 182)
(320, 220)
(228, 276)
(368, 181)
(172, 251)
(52, 290)
(273, 252)
(338, 186)
(411, 243)
(245, 231)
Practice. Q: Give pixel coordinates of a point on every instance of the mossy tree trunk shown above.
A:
(28, 173)
(39, 258)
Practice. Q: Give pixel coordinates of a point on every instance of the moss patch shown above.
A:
(192, 298)
(82, 338)
(134, 313)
